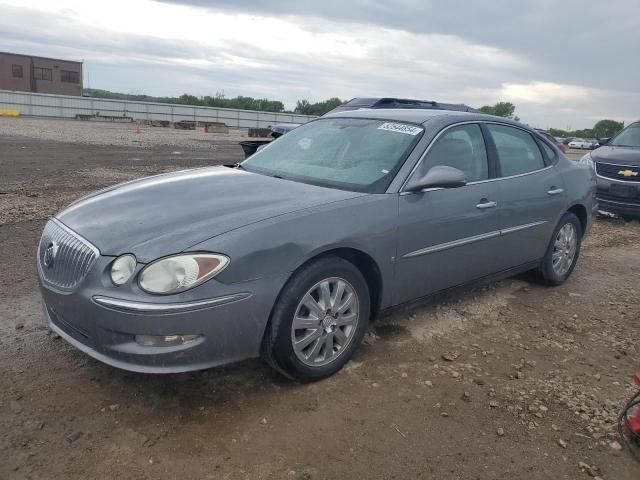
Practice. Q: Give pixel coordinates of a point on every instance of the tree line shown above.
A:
(220, 100)
(602, 129)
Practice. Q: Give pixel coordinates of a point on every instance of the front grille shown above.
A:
(606, 196)
(64, 257)
(609, 170)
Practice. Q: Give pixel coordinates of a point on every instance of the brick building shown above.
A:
(27, 73)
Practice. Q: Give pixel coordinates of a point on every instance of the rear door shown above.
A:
(448, 236)
(531, 191)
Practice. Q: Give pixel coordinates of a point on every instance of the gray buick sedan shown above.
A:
(290, 254)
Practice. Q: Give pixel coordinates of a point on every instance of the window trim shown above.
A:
(50, 70)
(488, 144)
(13, 71)
(545, 161)
(77, 74)
(541, 138)
(490, 169)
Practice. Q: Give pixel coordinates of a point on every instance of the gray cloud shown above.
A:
(450, 51)
(569, 42)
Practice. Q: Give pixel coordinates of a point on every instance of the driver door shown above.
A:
(449, 236)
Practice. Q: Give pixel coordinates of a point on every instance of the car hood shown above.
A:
(169, 213)
(617, 155)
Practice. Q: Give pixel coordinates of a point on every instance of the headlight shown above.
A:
(180, 272)
(122, 269)
(587, 160)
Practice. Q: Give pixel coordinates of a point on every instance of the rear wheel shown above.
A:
(318, 321)
(563, 251)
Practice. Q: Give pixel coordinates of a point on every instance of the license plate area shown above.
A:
(624, 191)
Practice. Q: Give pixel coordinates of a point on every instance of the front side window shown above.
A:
(42, 73)
(518, 152)
(349, 153)
(461, 147)
(68, 76)
(629, 137)
(17, 71)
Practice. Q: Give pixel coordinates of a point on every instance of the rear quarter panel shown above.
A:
(580, 186)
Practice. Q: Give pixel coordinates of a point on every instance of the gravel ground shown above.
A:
(116, 134)
(509, 380)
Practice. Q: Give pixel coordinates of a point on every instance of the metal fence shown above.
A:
(63, 106)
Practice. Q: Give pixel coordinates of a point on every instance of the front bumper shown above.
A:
(229, 326)
(618, 197)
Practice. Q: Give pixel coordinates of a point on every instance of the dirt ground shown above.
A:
(531, 386)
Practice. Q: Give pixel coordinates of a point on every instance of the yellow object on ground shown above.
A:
(9, 113)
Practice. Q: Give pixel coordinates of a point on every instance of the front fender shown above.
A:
(280, 245)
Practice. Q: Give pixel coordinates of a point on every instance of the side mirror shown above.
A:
(440, 176)
(603, 141)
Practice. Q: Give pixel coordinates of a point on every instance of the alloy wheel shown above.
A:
(325, 321)
(564, 249)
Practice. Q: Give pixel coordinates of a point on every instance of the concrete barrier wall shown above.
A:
(62, 106)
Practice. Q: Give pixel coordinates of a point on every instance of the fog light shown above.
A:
(164, 340)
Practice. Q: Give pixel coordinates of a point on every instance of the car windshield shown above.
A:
(629, 137)
(347, 153)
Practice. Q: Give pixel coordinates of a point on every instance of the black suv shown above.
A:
(617, 165)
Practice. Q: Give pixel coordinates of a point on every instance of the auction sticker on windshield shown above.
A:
(400, 128)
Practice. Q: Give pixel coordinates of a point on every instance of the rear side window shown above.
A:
(518, 152)
(549, 152)
(460, 147)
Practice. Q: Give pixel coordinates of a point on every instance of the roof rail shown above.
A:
(389, 102)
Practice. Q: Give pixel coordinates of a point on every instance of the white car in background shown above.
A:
(581, 143)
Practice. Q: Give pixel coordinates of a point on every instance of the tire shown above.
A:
(552, 272)
(278, 343)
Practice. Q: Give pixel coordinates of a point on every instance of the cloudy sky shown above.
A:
(564, 64)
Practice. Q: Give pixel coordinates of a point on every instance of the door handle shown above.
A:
(555, 191)
(486, 204)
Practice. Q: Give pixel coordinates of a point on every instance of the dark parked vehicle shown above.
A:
(293, 252)
(249, 147)
(617, 165)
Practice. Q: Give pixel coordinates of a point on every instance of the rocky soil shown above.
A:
(502, 381)
(131, 135)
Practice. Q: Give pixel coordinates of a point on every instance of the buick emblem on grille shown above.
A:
(50, 255)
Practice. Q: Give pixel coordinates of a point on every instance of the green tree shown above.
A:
(187, 99)
(607, 128)
(304, 107)
(219, 100)
(501, 109)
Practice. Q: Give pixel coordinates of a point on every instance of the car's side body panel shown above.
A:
(445, 239)
(580, 188)
(531, 206)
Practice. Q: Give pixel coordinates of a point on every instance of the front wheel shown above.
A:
(318, 321)
(563, 251)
